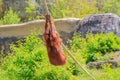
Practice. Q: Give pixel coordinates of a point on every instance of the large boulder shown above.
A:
(100, 23)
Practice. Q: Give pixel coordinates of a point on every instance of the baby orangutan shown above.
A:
(53, 43)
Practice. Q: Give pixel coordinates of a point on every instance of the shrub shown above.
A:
(1, 10)
(72, 8)
(93, 45)
(74, 69)
(1, 56)
(10, 17)
(82, 8)
(112, 6)
(24, 58)
(31, 12)
(28, 61)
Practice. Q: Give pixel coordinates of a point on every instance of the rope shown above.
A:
(46, 8)
(70, 54)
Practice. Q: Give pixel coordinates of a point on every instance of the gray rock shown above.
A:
(100, 23)
(99, 65)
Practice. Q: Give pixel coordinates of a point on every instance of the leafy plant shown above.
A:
(82, 8)
(59, 9)
(24, 58)
(76, 8)
(112, 6)
(1, 10)
(95, 44)
(1, 57)
(10, 17)
(74, 69)
(28, 61)
(31, 12)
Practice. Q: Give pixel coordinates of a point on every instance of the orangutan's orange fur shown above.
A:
(53, 43)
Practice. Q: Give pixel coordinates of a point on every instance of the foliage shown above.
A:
(65, 8)
(15, 16)
(1, 56)
(22, 62)
(94, 46)
(31, 11)
(74, 69)
(82, 8)
(72, 8)
(112, 6)
(105, 57)
(59, 9)
(28, 61)
(10, 17)
(1, 10)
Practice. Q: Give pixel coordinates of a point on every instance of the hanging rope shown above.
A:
(70, 54)
(77, 62)
(46, 8)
